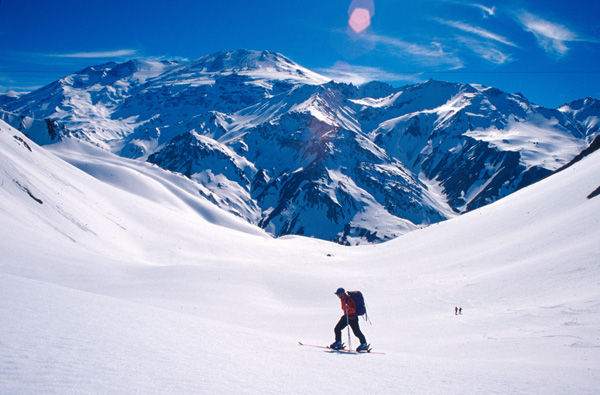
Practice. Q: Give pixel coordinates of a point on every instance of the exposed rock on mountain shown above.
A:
(294, 153)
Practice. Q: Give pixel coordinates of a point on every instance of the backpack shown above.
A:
(359, 302)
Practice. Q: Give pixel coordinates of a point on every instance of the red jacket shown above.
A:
(351, 309)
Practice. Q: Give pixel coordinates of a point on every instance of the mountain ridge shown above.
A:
(294, 153)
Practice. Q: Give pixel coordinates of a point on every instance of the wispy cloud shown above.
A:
(552, 37)
(477, 31)
(95, 55)
(487, 11)
(487, 52)
(425, 55)
(358, 75)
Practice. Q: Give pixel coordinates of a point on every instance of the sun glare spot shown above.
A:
(360, 13)
(360, 20)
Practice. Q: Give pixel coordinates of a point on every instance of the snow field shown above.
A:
(130, 282)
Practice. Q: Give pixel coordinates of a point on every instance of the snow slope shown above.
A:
(127, 282)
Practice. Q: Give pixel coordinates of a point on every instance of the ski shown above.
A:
(325, 347)
(342, 350)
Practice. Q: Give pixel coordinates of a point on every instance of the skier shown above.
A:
(349, 318)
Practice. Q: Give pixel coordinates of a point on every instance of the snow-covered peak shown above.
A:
(7, 97)
(133, 71)
(376, 90)
(13, 94)
(241, 60)
(255, 64)
(581, 104)
(428, 95)
(585, 112)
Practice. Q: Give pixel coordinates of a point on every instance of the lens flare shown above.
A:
(360, 12)
(360, 20)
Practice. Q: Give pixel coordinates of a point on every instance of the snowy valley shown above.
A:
(121, 279)
(139, 205)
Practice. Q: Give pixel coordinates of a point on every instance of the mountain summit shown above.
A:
(253, 64)
(243, 61)
(295, 153)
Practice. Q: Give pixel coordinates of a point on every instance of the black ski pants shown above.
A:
(343, 322)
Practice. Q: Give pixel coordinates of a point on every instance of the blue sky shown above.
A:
(545, 49)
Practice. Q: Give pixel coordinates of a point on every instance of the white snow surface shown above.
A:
(118, 277)
(540, 144)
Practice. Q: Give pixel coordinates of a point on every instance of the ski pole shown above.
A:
(348, 325)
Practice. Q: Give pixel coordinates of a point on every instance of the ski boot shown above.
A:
(336, 345)
(363, 347)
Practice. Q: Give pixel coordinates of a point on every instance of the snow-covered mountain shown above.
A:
(117, 277)
(294, 153)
